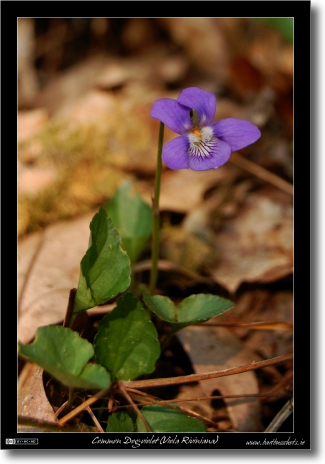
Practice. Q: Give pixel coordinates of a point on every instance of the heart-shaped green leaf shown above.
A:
(194, 309)
(127, 341)
(161, 419)
(132, 218)
(64, 354)
(120, 422)
(105, 269)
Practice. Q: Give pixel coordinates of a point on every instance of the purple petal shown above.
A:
(170, 112)
(236, 132)
(219, 155)
(175, 154)
(202, 101)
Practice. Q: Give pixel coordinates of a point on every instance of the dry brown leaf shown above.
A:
(250, 80)
(138, 33)
(257, 245)
(184, 249)
(215, 348)
(189, 391)
(263, 319)
(48, 267)
(274, 59)
(202, 40)
(278, 307)
(32, 400)
(70, 84)
(92, 107)
(151, 69)
(183, 190)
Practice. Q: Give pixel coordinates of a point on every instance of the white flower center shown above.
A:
(201, 141)
(206, 133)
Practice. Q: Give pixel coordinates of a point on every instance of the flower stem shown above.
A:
(155, 215)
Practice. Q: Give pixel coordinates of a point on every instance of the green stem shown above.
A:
(165, 342)
(155, 215)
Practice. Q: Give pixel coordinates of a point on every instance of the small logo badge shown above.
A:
(21, 441)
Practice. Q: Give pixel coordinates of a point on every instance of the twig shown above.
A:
(149, 399)
(61, 408)
(135, 407)
(262, 173)
(83, 406)
(281, 417)
(175, 381)
(92, 415)
(208, 398)
(276, 325)
(46, 425)
(212, 397)
(209, 375)
(286, 380)
(94, 418)
(168, 266)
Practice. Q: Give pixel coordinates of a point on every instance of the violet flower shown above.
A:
(202, 144)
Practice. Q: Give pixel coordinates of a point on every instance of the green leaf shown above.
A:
(64, 354)
(93, 376)
(283, 25)
(161, 419)
(194, 309)
(120, 422)
(132, 218)
(127, 341)
(105, 269)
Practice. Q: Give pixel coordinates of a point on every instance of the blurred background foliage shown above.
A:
(86, 86)
(283, 25)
